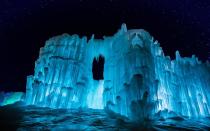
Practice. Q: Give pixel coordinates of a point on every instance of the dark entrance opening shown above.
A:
(98, 68)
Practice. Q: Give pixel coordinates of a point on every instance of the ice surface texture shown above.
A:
(18, 117)
(139, 80)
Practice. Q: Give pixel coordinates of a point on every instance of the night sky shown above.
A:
(25, 25)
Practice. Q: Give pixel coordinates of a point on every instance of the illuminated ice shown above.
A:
(139, 80)
(10, 97)
(95, 97)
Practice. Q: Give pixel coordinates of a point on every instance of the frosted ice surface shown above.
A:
(139, 80)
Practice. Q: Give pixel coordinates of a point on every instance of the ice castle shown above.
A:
(139, 80)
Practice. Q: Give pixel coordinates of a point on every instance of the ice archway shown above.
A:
(139, 80)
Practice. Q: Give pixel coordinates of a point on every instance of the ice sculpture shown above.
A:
(139, 80)
(10, 97)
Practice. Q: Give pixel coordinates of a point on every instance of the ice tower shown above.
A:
(139, 80)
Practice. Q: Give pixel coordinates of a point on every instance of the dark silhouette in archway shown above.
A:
(98, 68)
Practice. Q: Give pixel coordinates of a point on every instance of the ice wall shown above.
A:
(139, 80)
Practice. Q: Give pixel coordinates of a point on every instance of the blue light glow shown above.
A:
(12, 97)
(95, 96)
(139, 80)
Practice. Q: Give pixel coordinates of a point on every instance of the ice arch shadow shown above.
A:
(98, 67)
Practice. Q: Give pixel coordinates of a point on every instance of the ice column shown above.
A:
(95, 95)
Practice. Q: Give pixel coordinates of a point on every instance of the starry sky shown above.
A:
(26, 24)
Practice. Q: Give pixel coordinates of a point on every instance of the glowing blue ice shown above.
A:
(95, 96)
(139, 80)
(10, 97)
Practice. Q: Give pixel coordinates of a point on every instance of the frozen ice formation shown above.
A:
(10, 97)
(139, 80)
